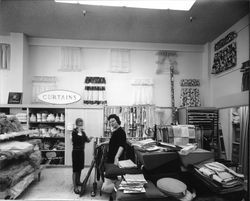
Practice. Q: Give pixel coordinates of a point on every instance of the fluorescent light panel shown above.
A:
(149, 4)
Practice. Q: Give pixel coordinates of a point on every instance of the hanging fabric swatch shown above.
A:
(41, 84)
(143, 91)
(95, 91)
(120, 61)
(4, 56)
(190, 97)
(71, 59)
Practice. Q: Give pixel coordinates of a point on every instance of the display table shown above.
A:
(156, 159)
(195, 157)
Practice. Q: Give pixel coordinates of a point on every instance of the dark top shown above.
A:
(118, 139)
(79, 140)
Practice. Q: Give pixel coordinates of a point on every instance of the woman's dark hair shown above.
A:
(78, 120)
(115, 117)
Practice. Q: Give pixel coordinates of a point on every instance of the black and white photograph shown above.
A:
(117, 100)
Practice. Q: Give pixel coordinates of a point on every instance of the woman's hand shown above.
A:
(90, 138)
(116, 161)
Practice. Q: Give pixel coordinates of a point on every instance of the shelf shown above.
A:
(40, 137)
(46, 122)
(52, 150)
(237, 143)
(16, 134)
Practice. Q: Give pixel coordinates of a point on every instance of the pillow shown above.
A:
(172, 187)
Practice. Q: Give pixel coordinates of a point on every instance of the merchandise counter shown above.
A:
(156, 159)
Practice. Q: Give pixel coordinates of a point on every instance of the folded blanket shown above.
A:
(35, 159)
(14, 150)
(12, 174)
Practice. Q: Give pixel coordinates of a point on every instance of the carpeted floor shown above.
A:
(56, 184)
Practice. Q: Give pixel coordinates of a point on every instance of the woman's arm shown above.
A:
(118, 154)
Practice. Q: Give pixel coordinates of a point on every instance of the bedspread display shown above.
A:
(225, 58)
(190, 97)
(17, 161)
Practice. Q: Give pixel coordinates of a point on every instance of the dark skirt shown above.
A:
(77, 160)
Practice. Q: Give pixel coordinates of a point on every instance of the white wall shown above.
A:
(45, 60)
(12, 79)
(228, 83)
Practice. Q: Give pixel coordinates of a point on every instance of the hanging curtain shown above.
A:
(41, 84)
(4, 56)
(244, 132)
(95, 91)
(120, 61)
(71, 59)
(142, 91)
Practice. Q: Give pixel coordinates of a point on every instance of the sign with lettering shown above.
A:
(59, 97)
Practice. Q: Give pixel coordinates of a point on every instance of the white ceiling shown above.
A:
(45, 18)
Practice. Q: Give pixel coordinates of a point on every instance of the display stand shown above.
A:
(14, 191)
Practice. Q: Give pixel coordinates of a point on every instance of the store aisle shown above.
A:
(56, 184)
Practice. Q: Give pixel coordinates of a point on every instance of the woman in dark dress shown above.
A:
(116, 149)
(117, 141)
(79, 138)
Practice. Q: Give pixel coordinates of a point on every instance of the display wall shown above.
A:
(227, 84)
(44, 60)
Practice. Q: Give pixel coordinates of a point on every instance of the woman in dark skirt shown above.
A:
(79, 138)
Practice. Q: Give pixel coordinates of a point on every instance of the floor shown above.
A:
(56, 184)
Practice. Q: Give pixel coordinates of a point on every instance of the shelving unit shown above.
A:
(235, 135)
(51, 131)
(18, 185)
(206, 119)
(50, 124)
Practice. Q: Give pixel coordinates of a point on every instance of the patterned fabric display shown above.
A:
(190, 97)
(95, 91)
(190, 82)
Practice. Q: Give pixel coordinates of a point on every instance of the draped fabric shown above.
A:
(120, 61)
(41, 84)
(71, 59)
(95, 91)
(142, 91)
(4, 56)
(244, 132)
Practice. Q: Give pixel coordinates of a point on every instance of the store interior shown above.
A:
(178, 78)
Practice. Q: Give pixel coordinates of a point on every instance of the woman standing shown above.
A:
(79, 138)
(117, 141)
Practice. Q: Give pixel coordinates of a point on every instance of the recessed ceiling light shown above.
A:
(149, 4)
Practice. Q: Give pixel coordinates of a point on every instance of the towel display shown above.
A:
(95, 91)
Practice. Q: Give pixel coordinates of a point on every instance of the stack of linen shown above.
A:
(146, 145)
(18, 164)
(133, 183)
